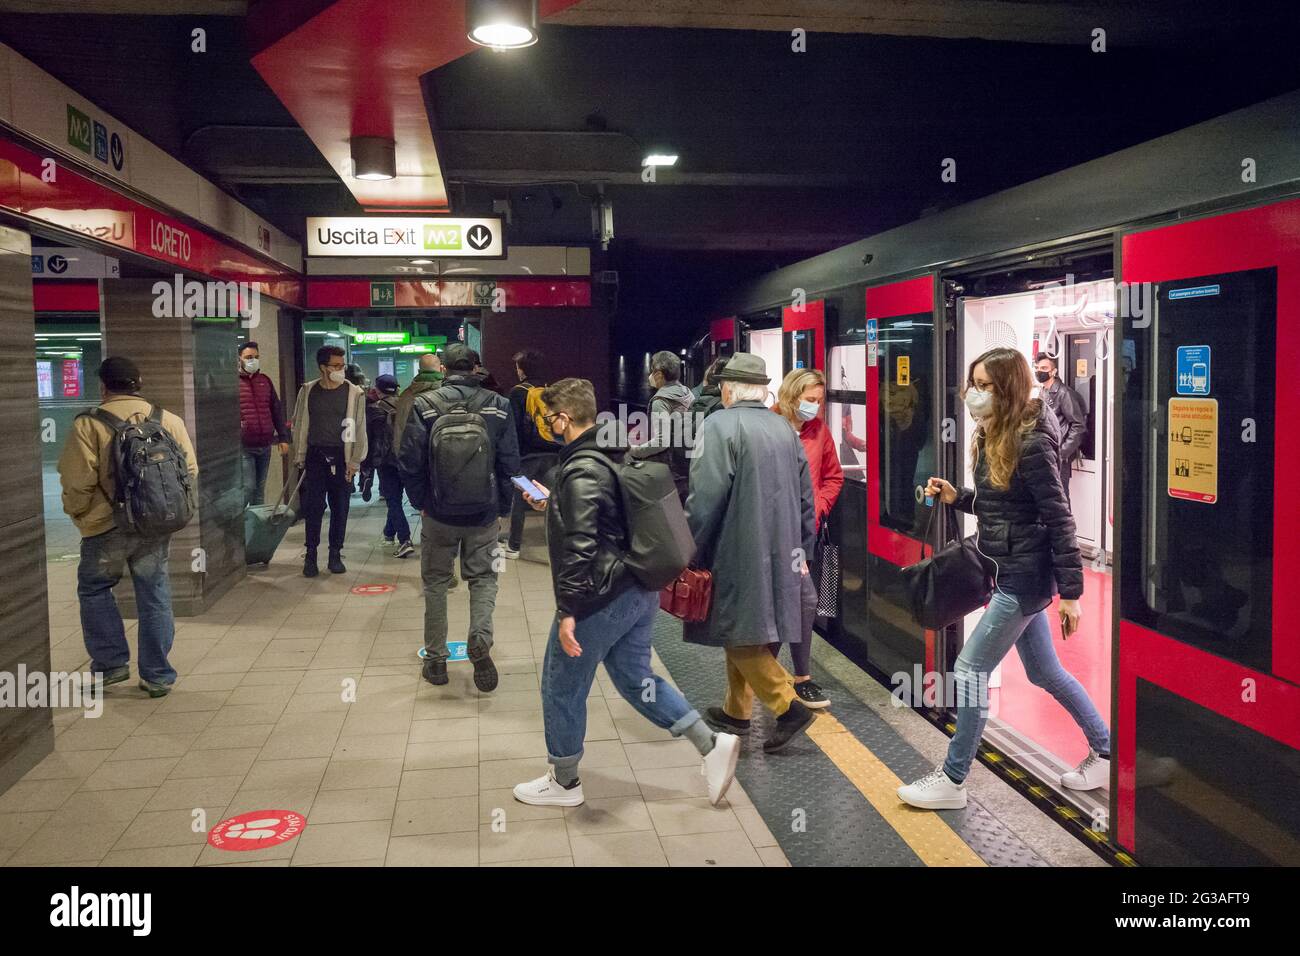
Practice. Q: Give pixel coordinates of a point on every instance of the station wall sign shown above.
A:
(416, 236)
(68, 262)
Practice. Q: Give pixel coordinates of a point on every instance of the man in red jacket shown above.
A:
(261, 423)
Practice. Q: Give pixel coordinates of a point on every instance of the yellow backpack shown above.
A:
(535, 410)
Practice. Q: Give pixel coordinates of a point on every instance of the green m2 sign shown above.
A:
(79, 130)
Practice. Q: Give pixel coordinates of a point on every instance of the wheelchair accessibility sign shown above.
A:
(1193, 370)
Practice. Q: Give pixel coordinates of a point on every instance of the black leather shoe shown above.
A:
(485, 674)
(435, 672)
(724, 723)
(336, 564)
(309, 569)
(789, 726)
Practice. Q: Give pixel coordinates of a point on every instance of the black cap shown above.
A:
(386, 383)
(459, 358)
(119, 374)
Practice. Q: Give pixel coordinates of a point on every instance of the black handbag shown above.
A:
(826, 565)
(952, 582)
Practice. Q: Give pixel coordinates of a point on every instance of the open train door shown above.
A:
(1206, 740)
(722, 338)
(803, 334)
(903, 393)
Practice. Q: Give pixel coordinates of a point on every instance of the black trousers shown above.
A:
(325, 479)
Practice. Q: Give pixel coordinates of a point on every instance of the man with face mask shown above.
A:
(261, 422)
(1067, 406)
(667, 410)
(330, 446)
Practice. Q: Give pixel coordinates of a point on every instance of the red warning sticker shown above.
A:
(257, 830)
(373, 588)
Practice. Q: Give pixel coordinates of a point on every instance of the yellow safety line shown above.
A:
(927, 833)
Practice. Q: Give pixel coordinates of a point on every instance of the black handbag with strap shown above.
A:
(952, 582)
(826, 568)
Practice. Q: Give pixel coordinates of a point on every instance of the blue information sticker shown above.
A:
(1193, 370)
(871, 330)
(1193, 292)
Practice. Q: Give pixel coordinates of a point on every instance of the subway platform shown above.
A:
(408, 774)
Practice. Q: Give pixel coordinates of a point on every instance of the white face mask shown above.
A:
(251, 365)
(979, 402)
(337, 376)
(808, 410)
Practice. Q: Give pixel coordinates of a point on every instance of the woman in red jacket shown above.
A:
(799, 400)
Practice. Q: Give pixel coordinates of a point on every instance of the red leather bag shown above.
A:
(688, 597)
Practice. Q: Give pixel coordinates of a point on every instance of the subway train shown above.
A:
(1164, 281)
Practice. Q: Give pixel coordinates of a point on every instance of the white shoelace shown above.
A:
(931, 779)
(1088, 763)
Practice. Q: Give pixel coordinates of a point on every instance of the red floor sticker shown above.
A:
(373, 588)
(257, 830)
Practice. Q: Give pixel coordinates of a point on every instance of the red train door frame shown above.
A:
(722, 330)
(810, 317)
(1261, 237)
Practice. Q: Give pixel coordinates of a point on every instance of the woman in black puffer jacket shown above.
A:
(1026, 534)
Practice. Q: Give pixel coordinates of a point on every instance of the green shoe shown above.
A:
(155, 690)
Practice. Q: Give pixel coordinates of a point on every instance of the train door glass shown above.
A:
(1072, 324)
(798, 349)
(846, 408)
(905, 355)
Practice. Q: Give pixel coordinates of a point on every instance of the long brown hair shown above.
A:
(1014, 413)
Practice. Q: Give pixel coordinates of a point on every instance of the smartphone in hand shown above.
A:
(526, 485)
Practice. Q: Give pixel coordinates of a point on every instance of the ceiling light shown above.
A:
(421, 262)
(502, 24)
(660, 159)
(373, 157)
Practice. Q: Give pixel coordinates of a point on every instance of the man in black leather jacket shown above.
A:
(602, 611)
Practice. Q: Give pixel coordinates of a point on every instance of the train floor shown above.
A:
(414, 775)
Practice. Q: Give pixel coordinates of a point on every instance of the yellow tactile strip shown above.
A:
(929, 836)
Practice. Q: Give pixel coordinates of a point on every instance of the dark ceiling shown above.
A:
(783, 154)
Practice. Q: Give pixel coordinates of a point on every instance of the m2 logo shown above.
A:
(442, 237)
(80, 131)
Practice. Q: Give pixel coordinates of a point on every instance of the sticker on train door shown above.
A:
(1192, 370)
(904, 366)
(1194, 449)
(872, 355)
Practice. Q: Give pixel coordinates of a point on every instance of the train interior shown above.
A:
(1074, 323)
(767, 344)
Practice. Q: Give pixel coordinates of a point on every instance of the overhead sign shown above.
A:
(382, 295)
(1194, 449)
(101, 142)
(72, 263)
(1193, 370)
(382, 338)
(415, 236)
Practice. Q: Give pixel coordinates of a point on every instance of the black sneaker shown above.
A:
(309, 569)
(113, 675)
(336, 564)
(811, 694)
(724, 723)
(789, 726)
(155, 689)
(485, 674)
(435, 672)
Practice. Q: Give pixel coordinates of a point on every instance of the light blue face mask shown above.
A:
(808, 410)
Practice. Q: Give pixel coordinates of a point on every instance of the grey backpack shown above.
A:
(154, 495)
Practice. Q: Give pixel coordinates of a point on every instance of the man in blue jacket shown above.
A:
(460, 494)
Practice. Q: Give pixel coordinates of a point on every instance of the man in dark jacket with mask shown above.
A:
(261, 422)
(1068, 409)
(670, 436)
(602, 611)
(446, 532)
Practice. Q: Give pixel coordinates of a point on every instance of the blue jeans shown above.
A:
(1001, 627)
(104, 558)
(253, 464)
(390, 489)
(619, 635)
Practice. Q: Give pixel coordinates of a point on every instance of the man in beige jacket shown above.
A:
(86, 472)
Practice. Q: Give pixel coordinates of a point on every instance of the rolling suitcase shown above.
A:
(265, 525)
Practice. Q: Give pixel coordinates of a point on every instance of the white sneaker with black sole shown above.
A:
(404, 549)
(509, 553)
(547, 792)
(810, 692)
(934, 791)
(1093, 773)
(719, 765)
(387, 542)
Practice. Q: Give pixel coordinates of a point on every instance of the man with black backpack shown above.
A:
(606, 599)
(380, 417)
(458, 454)
(537, 446)
(130, 480)
(669, 432)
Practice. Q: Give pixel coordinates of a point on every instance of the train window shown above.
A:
(905, 355)
(846, 409)
(1198, 426)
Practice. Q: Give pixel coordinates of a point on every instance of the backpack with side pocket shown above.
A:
(659, 542)
(462, 461)
(154, 493)
(535, 411)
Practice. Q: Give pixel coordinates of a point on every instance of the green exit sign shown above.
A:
(381, 338)
(79, 129)
(382, 294)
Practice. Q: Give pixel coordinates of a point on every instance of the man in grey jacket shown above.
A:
(670, 434)
(752, 515)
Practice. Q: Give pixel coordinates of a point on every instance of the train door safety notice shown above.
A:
(1194, 449)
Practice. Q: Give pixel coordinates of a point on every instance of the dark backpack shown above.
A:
(659, 541)
(462, 462)
(380, 417)
(154, 495)
(671, 448)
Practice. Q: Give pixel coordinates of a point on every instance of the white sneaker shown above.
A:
(388, 542)
(1092, 774)
(934, 791)
(509, 552)
(546, 792)
(404, 549)
(719, 765)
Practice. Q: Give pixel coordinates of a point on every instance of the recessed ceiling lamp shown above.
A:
(502, 24)
(373, 157)
(660, 159)
(421, 262)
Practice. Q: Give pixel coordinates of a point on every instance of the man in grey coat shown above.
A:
(751, 512)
